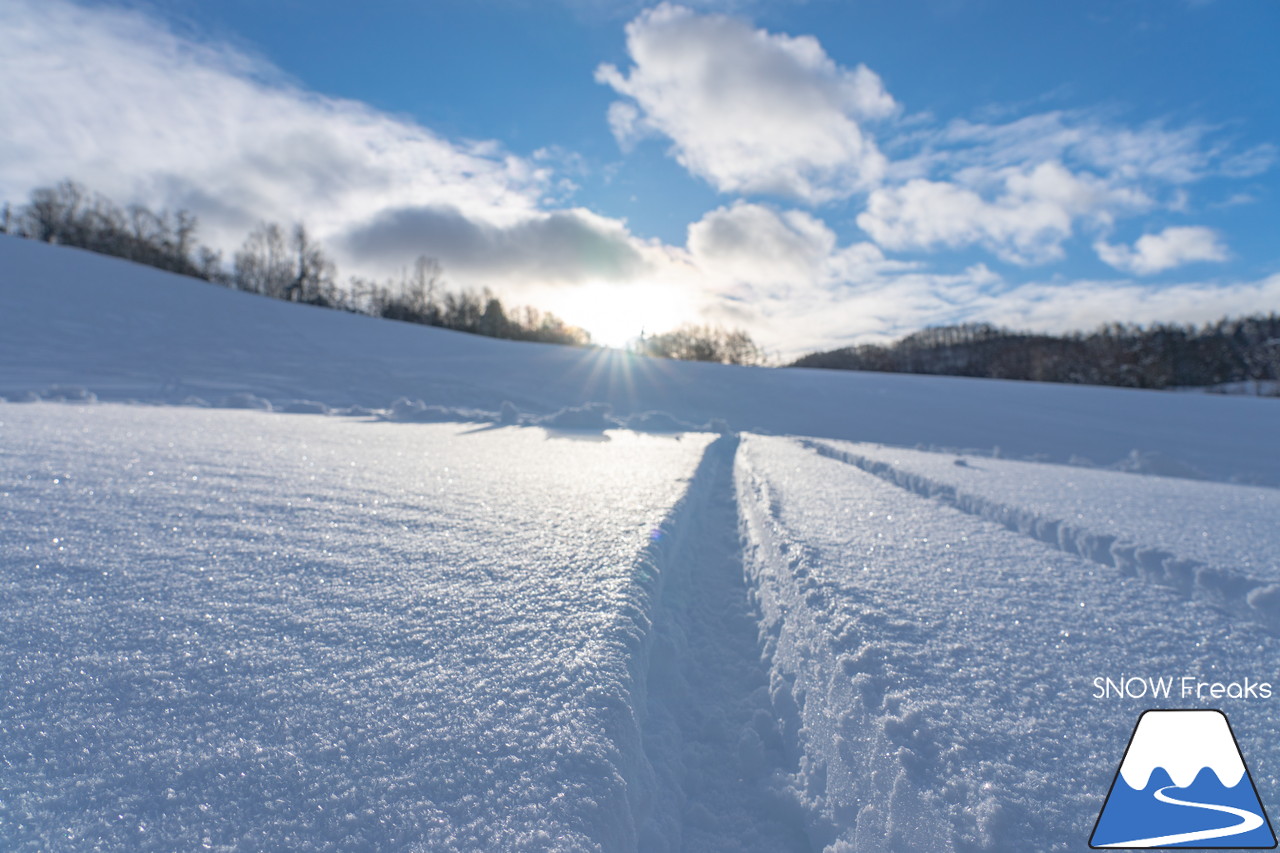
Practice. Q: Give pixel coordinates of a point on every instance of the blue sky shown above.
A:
(817, 172)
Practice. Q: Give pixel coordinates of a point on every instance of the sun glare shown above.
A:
(616, 314)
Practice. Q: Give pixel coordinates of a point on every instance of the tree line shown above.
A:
(273, 261)
(1162, 355)
(693, 342)
(289, 264)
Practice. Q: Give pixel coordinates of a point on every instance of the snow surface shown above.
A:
(334, 583)
(279, 632)
(1216, 541)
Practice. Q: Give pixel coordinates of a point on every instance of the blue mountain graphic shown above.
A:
(1130, 814)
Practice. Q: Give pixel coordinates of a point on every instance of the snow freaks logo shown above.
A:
(1183, 783)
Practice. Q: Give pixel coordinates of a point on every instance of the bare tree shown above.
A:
(263, 264)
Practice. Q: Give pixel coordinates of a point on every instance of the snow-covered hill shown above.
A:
(121, 331)
(261, 630)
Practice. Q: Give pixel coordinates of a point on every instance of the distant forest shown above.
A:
(1156, 356)
(281, 264)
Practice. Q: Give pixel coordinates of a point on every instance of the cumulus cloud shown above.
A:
(1020, 189)
(1172, 247)
(756, 244)
(749, 252)
(1024, 221)
(784, 275)
(747, 110)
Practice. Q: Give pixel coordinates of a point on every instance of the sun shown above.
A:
(617, 314)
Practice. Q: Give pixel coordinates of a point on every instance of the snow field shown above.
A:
(933, 669)
(473, 614)
(1215, 541)
(233, 630)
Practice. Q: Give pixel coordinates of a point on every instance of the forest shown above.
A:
(1243, 350)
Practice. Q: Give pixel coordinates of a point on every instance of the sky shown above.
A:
(818, 173)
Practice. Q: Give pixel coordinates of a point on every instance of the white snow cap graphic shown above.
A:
(1183, 743)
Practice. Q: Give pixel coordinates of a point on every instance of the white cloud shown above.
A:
(754, 244)
(1022, 188)
(1153, 153)
(1026, 219)
(1172, 247)
(748, 110)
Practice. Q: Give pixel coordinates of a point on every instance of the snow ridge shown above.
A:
(855, 763)
(1222, 587)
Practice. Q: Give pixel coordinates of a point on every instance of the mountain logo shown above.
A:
(1183, 783)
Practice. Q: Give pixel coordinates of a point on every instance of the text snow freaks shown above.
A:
(1178, 687)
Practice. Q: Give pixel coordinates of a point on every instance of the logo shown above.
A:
(1182, 783)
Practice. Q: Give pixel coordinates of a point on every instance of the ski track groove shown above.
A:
(710, 735)
(1227, 589)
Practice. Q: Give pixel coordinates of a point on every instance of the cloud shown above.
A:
(1025, 221)
(567, 246)
(783, 275)
(1172, 247)
(115, 99)
(1092, 140)
(756, 244)
(747, 110)
(1022, 188)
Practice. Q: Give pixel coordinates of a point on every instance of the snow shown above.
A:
(276, 577)
(1213, 540)
(935, 670)
(295, 632)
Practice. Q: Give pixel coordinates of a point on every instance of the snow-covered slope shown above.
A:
(290, 632)
(248, 630)
(122, 331)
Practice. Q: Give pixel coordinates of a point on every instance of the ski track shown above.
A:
(1249, 597)
(709, 730)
